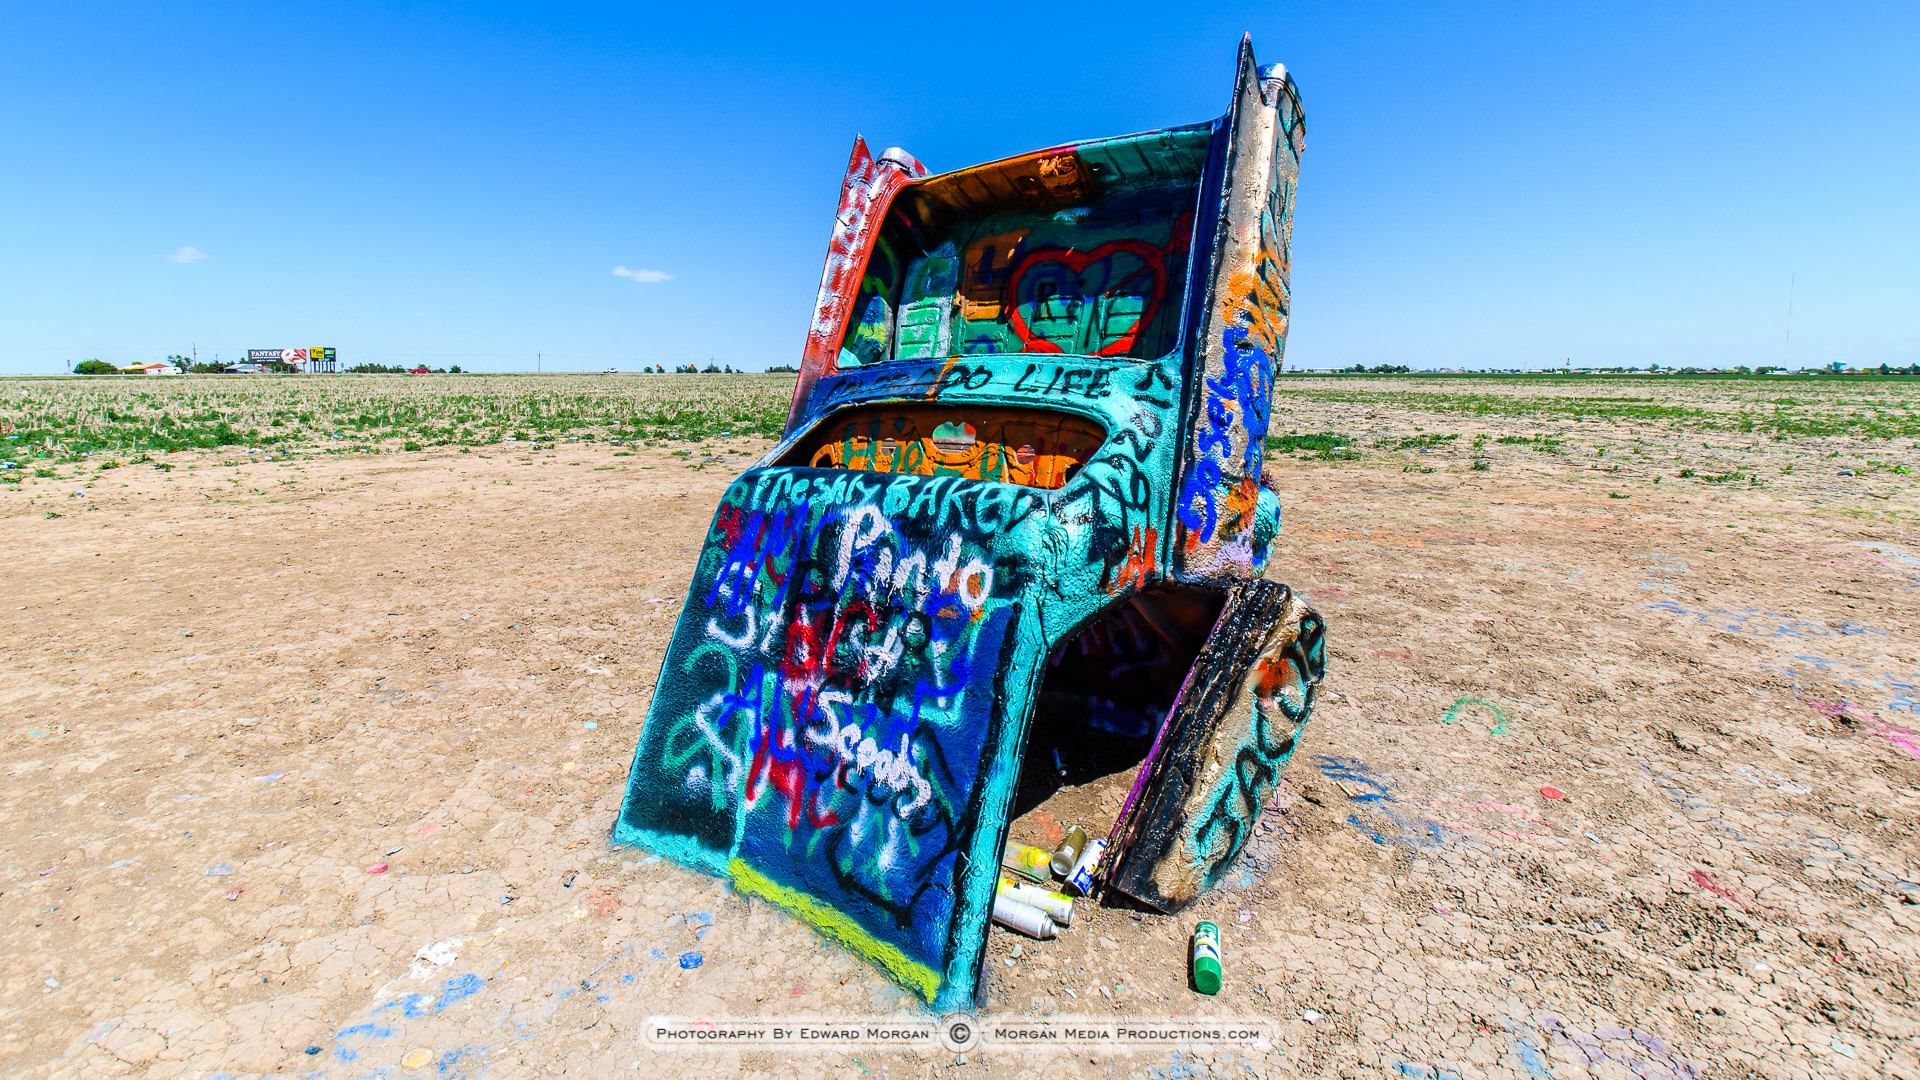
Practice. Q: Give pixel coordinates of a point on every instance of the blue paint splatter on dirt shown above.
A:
(1374, 834)
(1382, 825)
(414, 1006)
(1766, 624)
(1425, 1072)
(691, 960)
(1354, 771)
(1179, 1067)
(1532, 1059)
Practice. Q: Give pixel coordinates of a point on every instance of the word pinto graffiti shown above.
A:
(848, 660)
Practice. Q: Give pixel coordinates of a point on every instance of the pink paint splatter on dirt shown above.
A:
(1747, 904)
(1522, 812)
(1706, 881)
(1907, 741)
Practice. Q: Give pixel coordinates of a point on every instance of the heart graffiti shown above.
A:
(1056, 284)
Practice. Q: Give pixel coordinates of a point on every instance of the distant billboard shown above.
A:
(295, 357)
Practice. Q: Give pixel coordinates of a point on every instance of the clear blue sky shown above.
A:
(1501, 185)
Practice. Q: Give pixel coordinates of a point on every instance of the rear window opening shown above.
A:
(1033, 447)
(1103, 697)
(1081, 251)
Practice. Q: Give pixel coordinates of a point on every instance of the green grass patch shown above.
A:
(1420, 442)
(1325, 445)
(66, 419)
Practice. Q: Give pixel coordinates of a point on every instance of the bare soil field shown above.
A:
(311, 758)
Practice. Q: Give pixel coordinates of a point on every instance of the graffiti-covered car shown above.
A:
(1018, 503)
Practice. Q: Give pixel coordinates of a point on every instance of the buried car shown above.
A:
(1017, 511)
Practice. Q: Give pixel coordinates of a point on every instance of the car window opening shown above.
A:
(1037, 448)
(1081, 252)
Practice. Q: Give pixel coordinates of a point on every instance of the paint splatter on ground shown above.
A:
(1724, 889)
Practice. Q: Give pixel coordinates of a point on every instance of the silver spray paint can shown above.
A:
(1081, 879)
(1058, 908)
(1025, 918)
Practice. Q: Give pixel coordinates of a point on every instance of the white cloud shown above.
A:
(187, 254)
(643, 276)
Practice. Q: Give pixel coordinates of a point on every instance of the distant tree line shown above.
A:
(400, 369)
(1742, 369)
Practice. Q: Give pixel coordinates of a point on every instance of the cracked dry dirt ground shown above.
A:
(221, 709)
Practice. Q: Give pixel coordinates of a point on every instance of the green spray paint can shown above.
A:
(1206, 958)
(1069, 851)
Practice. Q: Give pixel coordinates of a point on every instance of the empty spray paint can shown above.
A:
(1068, 852)
(1081, 879)
(1206, 958)
(1059, 908)
(1028, 862)
(1025, 918)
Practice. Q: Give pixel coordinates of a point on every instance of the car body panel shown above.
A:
(1000, 393)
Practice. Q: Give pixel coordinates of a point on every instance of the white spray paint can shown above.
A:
(1058, 908)
(1081, 880)
(1025, 918)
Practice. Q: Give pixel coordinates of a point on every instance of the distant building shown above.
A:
(150, 369)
